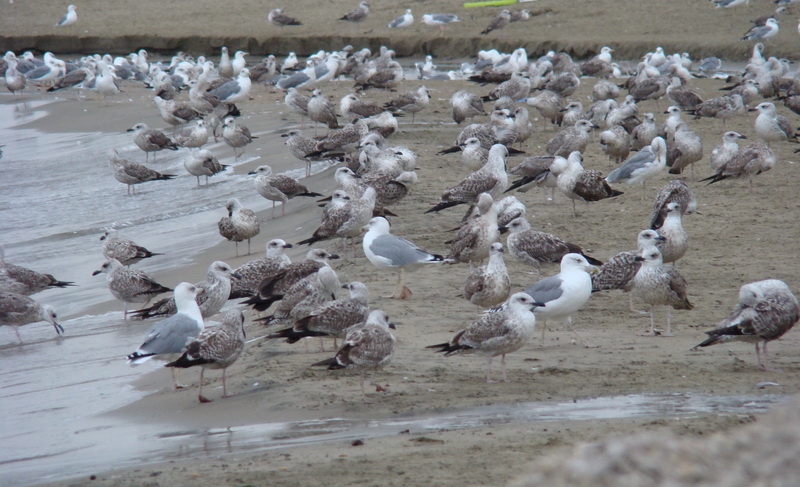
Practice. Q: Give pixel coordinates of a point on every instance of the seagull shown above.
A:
(686, 149)
(216, 291)
(533, 247)
(676, 241)
(332, 319)
(215, 348)
(305, 296)
(657, 284)
(69, 18)
(440, 20)
(130, 285)
(193, 136)
(321, 110)
(236, 135)
(296, 102)
(17, 310)
(410, 102)
(618, 272)
(172, 335)
(578, 183)
(278, 187)
(466, 105)
(571, 139)
(676, 191)
(277, 17)
(21, 280)
(366, 347)
(498, 22)
(749, 162)
(132, 173)
(489, 285)
(765, 312)
(357, 15)
(403, 21)
(387, 251)
(234, 90)
(126, 251)
(730, 3)
(151, 140)
(272, 287)
(353, 108)
(771, 126)
(474, 239)
(565, 293)
(501, 331)
(725, 151)
(240, 224)
(759, 33)
(345, 220)
(252, 273)
(203, 163)
(491, 178)
(647, 164)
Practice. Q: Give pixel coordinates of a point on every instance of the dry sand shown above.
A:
(736, 237)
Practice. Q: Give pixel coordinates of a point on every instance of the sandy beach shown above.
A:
(736, 237)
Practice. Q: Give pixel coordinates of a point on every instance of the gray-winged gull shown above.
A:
(766, 311)
(278, 187)
(771, 126)
(126, 251)
(216, 291)
(130, 285)
(234, 90)
(171, 336)
(564, 293)
(215, 348)
(239, 224)
(366, 347)
(647, 164)
(359, 14)
(762, 32)
(439, 20)
(500, 331)
(246, 278)
(387, 251)
(17, 310)
(657, 284)
(21, 280)
(403, 21)
(410, 102)
(489, 285)
(69, 18)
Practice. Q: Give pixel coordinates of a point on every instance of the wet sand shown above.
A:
(736, 237)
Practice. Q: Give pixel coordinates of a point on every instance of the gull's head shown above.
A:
(220, 268)
(650, 237)
(378, 224)
(107, 267)
(265, 171)
(496, 248)
(137, 127)
(229, 121)
(673, 207)
(577, 261)
(732, 136)
(232, 205)
(651, 256)
(320, 255)
(673, 110)
(766, 107)
(523, 301)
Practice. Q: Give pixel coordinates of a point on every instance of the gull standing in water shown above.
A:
(171, 336)
(387, 251)
(500, 331)
(132, 173)
(151, 140)
(240, 224)
(565, 293)
(203, 163)
(236, 135)
(21, 280)
(765, 312)
(17, 310)
(130, 285)
(215, 348)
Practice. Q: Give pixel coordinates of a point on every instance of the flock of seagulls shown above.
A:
(305, 297)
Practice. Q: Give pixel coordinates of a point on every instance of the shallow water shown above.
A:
(85, 451)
